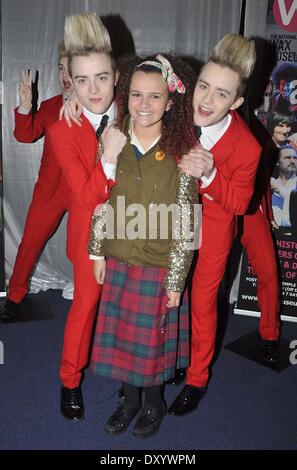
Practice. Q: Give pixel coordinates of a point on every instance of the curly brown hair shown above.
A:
(177, 136)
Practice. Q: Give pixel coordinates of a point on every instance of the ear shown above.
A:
(169, 105)
(237, 103)
(116, 77)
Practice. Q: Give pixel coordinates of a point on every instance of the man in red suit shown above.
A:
(46, 208)
(226, 163)
(87, 174)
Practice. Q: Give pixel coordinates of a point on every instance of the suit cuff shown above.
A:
(206, 180)
(95, 258)
(109, 169)
(23, 110)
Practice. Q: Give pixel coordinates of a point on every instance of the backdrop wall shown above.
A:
(31, 32)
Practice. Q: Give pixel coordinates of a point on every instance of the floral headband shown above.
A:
(173, 81)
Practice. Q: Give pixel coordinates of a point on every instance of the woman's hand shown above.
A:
(25, 90)
(71, 110)
(99, 267)
(173, 299)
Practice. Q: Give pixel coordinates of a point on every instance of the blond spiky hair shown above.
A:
(85, 33)
(236, 52)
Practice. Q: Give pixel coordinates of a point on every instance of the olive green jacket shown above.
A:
(140, 233)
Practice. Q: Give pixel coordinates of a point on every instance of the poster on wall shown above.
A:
(279, 115)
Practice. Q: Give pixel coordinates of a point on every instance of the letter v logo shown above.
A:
(285, 14)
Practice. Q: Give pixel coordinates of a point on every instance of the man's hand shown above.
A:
(173, 299)
(25, 90)
(71, 110)
(198, 162)
(99, 267)
(113, 142)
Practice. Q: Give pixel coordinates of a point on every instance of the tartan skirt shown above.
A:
(138, 340)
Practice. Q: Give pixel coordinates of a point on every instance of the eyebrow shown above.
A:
(150, 92)
(219, 89)
(97, 75)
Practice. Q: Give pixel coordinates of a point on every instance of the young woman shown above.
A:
(142, 325)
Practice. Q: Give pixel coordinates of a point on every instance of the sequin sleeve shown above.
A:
(97, 233)
(182, 244)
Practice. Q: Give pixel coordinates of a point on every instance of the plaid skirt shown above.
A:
(138, 340)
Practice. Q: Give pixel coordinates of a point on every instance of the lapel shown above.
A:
(87, 142)
(226, 145)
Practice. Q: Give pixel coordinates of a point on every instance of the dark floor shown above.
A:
(247, 406)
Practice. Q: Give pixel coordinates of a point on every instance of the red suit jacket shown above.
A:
(82, 184)
(236, 157)
(29, 128)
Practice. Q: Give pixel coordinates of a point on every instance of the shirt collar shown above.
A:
(134, 140)
(95, 119)
(210, 135)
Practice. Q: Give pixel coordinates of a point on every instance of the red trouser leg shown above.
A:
(257, 241)
(80, 322)
(42, 220)
(208, 274)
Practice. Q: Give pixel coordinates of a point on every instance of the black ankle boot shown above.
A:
(72, 406)
(10, 311)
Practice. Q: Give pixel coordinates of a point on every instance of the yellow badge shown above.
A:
(159, 155)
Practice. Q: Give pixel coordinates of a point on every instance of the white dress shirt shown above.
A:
(210, 135)
(95, 119)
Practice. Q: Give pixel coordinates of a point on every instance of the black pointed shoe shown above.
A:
(270, 350)
(149, 421)
(72, 406)
(187, 401)
(9, 311)
(121, 418)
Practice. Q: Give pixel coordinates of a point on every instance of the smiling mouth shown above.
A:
(204, 111)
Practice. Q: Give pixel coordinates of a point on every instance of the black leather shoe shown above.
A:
(72, 406)
(121, 418)
(121, 393)
(187, 401)
(270, 350)
(9, 311)
(179, 377)
(149, 421)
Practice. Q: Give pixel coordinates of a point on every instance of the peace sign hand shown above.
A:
(25, 89)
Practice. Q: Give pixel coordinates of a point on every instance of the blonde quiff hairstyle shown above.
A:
(237, 53)
(84, 34)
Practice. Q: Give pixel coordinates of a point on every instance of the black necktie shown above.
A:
(102, 126)
(198, 132)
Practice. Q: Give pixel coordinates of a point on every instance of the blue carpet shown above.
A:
(247, 406)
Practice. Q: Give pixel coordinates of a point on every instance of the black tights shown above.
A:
(152, 395)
